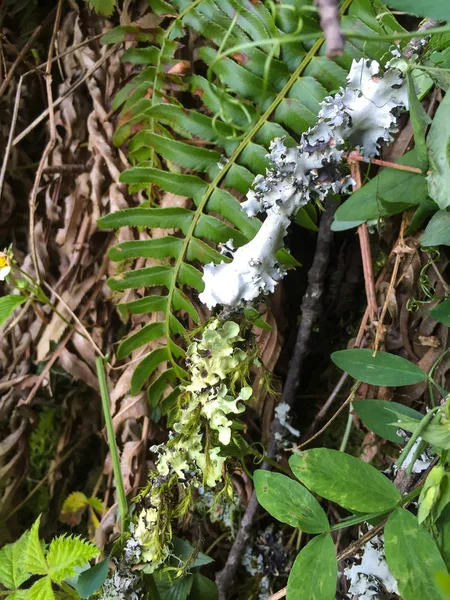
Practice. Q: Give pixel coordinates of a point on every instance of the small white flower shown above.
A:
(5, 266)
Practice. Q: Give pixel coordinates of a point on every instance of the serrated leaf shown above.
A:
(164, 247)
(382, 369)
(437, 232)
(73, 508)
(41, 590)
(441, 312)
(314, 573)
(289, 502)
(8, 304)
(102, 7)
(147, 334)
(147, 277)
(164, 218)
(377, 416)
(12, 573)
(344, 479)
(412, 556)
(419, 120)
(146, 367)
(34, 560)
(439, 153)
(67, 552)
(91, 580)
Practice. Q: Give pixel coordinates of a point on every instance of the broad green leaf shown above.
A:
(437, 232)
(143, 305)
(377, 416)
(147, 277)
(163, 218)
(67, 552)
(344, 479)
(436, 9)
(441, 312)
(203, 588)
(33, 557)
(185, 552)
(289, 502)
(307, 218)
(41, 590)
(314, 573)
(171, 588)
(164, 247)
(419, 120)
(425, 209)
(8, 304)
(443, 534)
(103, 7)
(12, 574)
(91, 580)
(382, 369)
(146, 367)
(413, 557)
(393, 186)
(147, 334)
(439, 151)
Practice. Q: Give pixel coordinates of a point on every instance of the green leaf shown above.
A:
(181, 302)
(393, 186)
(437, 232)
(33, 559)
(170, 588)
(91, 580)
(289, 502)
(164, 247)
(435, 496)
(12, 574)
(41, 590)
(306, 217)
(203, 588)
(439, 151)
(146, 367)
(182, 185)
(344, 479)
(141, 56)
(412, 556)
(377, 416)
(436, 9)
(382, 369)
(103, 7)
(419, 120)
(8, 304)
(67, 552)
(147, 334)
(185, 552)
(441, 312)
(164, 218)
(143, 305)
(148, 277)
(314, 572)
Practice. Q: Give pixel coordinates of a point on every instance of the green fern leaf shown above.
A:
(143, 306)
(164, 218)
(103, 7)
(147, 334)
(33, 560)
(147, 277)
(165, 247)
(146, 367)
(12, 573)
(67, 552)
(41, 590)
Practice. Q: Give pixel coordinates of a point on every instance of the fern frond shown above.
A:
(250, 96)
(67, 552)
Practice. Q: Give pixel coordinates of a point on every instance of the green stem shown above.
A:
(416, 433)
(121, 497)
(269, 461)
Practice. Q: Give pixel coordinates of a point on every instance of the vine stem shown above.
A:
(121, 497)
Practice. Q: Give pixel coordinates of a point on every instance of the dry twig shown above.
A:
(329, 22)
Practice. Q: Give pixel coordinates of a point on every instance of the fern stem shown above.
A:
(121, 497)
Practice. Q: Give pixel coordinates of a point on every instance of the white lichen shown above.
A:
(359, 116)
(282, 414)
(371, 579)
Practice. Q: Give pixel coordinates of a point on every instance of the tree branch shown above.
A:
(329, 21)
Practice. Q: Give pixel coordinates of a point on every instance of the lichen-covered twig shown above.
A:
(329, 22)
(310, 309)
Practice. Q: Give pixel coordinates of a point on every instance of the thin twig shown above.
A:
(384, 163)
(69, 92)
(329, 22)
(364, 242)
(310, 309)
